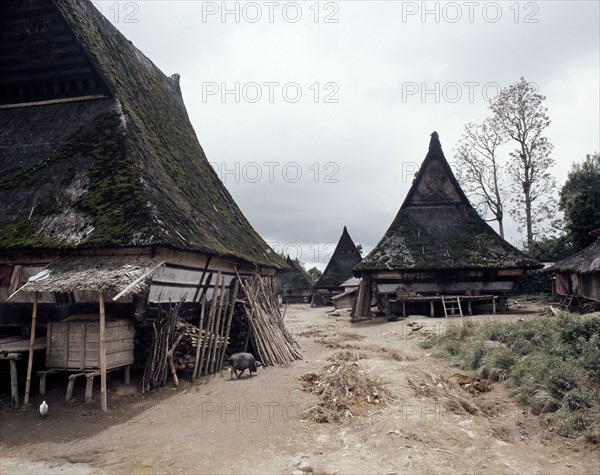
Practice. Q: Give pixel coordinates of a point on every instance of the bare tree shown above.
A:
(519, 111)
(479, 169)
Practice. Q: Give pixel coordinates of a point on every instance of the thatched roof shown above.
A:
(339, 268)
(585, 261)
(437, 228)
(110, 275)
(294, 278)
(100, 152)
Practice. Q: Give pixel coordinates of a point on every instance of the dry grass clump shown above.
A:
(345, 391)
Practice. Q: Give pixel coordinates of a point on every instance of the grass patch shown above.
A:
(552, 364)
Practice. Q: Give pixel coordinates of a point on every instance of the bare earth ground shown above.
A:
(432, 422)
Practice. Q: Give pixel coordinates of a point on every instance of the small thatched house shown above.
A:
(294, 284)
(438, 253)
(338, 270)
(103, 183)
(578, 276)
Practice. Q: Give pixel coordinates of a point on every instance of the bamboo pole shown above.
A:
(200, 324)
(218, 327)
(211, 322)
(31, 346)
(229, 320)
(103, 402)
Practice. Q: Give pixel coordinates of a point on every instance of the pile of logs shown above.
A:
(185, 353)
(274, 344)
(164, 342)
(178, 345)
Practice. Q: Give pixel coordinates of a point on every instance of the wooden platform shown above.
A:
(444, 301)
(11, 349)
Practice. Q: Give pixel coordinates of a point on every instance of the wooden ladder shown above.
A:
(452, 304)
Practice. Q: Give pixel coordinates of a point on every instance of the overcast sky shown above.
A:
(317, 115)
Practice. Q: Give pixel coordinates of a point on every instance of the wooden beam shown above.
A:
(31, 345)
(137, 281)
(103, 401)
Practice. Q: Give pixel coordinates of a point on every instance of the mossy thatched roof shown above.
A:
(339, 268)
(122, 168)
(583, 262)
(437, 228)
(295, 278)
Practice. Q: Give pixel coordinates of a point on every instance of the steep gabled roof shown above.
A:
(437, 228)
(339, 268)
(103, 154)
(583, 262)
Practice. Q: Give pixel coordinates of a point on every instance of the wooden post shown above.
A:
(200, 325)
(228, 327)
(14, 385)
(31, 346)
(103, 402)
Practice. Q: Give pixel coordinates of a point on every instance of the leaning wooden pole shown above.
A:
(228, 326)
(200, 324)
(31, 347)
(218, 328)
(211, 323)
(103, 401)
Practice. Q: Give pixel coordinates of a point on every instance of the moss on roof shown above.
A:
(136, 172)
(583, 262)
(437, 228)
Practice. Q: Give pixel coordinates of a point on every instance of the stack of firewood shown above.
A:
(185, 353)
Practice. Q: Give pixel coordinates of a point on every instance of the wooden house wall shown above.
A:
(449, 282)
(185, 275)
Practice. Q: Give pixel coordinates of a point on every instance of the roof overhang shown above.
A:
(112, 276)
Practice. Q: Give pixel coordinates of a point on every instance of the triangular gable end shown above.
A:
(40, 59)
(339, 268)
(435, 184)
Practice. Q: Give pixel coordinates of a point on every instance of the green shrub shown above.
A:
(551, 364)
(497, 364)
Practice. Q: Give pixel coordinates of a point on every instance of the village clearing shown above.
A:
(367, 398)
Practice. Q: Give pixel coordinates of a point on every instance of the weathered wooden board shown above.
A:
(75, 344)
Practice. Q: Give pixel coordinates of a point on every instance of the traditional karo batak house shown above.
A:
(295, 285)
(103, 182)
(438, 255)
(578, 276)
(338, 270)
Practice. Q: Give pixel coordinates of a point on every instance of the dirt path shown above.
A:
(435, 422)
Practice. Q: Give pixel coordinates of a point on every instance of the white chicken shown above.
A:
(43, 408)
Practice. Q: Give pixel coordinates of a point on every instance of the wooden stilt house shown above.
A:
(438, 257)
(338, 270)
(578, 277)
(103, 184)
(294, 284)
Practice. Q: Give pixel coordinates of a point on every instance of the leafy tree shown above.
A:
(521, 114)
(314, 274)
(580, 201)
(479, 169)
